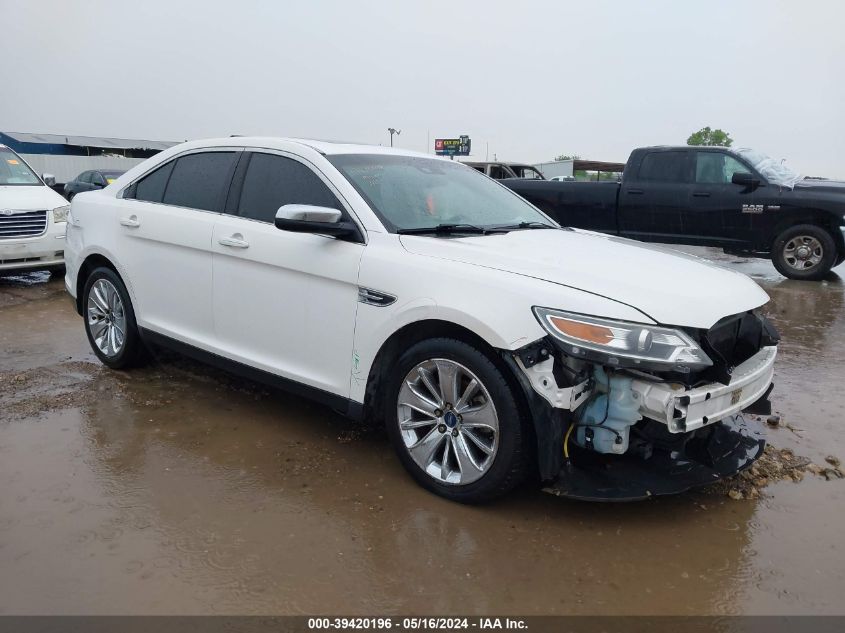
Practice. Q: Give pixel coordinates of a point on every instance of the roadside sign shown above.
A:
(452, 146)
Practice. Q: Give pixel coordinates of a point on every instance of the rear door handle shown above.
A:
(235, 241)
(701, 194)
(132, 222)
(636, 192)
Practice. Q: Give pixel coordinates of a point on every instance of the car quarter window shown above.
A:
(151, 187)
(716, 167)
(272, 181)
(198, 181)
(664, 167)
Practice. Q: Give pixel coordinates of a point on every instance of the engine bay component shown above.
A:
(603, 425)
(685, 410)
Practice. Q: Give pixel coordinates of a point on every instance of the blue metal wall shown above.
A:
(41, 148)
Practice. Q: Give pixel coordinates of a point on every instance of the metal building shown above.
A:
(66, 156)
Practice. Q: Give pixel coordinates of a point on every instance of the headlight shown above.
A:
(613, 341)
(60, 213)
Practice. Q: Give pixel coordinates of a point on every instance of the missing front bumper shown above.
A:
(728, 448)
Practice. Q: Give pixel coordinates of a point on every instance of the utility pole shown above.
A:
(393, 131)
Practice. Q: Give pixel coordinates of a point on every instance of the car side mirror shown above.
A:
(745, 179)
(306, 218)
(49, 179)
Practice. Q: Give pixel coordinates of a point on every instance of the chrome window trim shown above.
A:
(197, 150)
(241, 149)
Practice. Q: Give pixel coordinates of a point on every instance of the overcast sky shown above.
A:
(529, 80)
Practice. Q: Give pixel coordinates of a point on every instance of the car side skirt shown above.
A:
(344, 406)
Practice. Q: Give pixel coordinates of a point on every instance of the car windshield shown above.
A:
(772, 170)
(525, 171)
(111, 176)
(408, 192)
(13, 171)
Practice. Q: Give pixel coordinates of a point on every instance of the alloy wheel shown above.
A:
(448, 421)
(106, 318)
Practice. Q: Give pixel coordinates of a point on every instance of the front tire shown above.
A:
(110, 320)
(455, 422)
(805, 252)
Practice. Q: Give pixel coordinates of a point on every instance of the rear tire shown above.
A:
(463, 442)
(805, 252)
(110, 321)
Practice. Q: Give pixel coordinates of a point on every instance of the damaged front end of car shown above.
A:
(626, 411)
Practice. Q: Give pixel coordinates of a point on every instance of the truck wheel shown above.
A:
(110, 321)
(454, 421)
(805, 252)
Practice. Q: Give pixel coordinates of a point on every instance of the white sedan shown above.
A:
(412, 290)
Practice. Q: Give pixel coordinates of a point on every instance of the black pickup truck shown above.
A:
(739, 200)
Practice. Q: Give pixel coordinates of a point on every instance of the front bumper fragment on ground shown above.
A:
(732, 446)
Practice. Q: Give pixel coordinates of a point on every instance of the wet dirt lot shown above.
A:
(177, 489)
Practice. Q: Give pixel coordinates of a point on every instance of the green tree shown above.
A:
(568, 157)
(706, 136)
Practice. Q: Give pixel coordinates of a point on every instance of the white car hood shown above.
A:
(670, 287)
(31, 198)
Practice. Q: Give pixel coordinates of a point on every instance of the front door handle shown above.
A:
(701, 194)
(637, 192)
(132, 222)
(235, 241)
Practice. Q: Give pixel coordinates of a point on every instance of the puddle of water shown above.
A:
(175, 489)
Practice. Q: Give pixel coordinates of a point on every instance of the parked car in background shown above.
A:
(740, 200)
(395, 286)
(90, 181)
(501, 171)
(32, 218)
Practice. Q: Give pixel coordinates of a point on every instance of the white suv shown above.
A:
(32, 218)
(413, 290)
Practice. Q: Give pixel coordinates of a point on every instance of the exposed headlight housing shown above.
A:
(623, 344)
(60, 213)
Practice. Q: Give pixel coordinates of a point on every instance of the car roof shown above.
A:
(479, 163)
(706, 148)
(328, 148)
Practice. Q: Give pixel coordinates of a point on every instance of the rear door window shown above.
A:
(199, 181)
(272, 181)
(498, 172)
(664, 167)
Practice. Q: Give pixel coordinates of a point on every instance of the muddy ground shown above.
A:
(176, 489)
